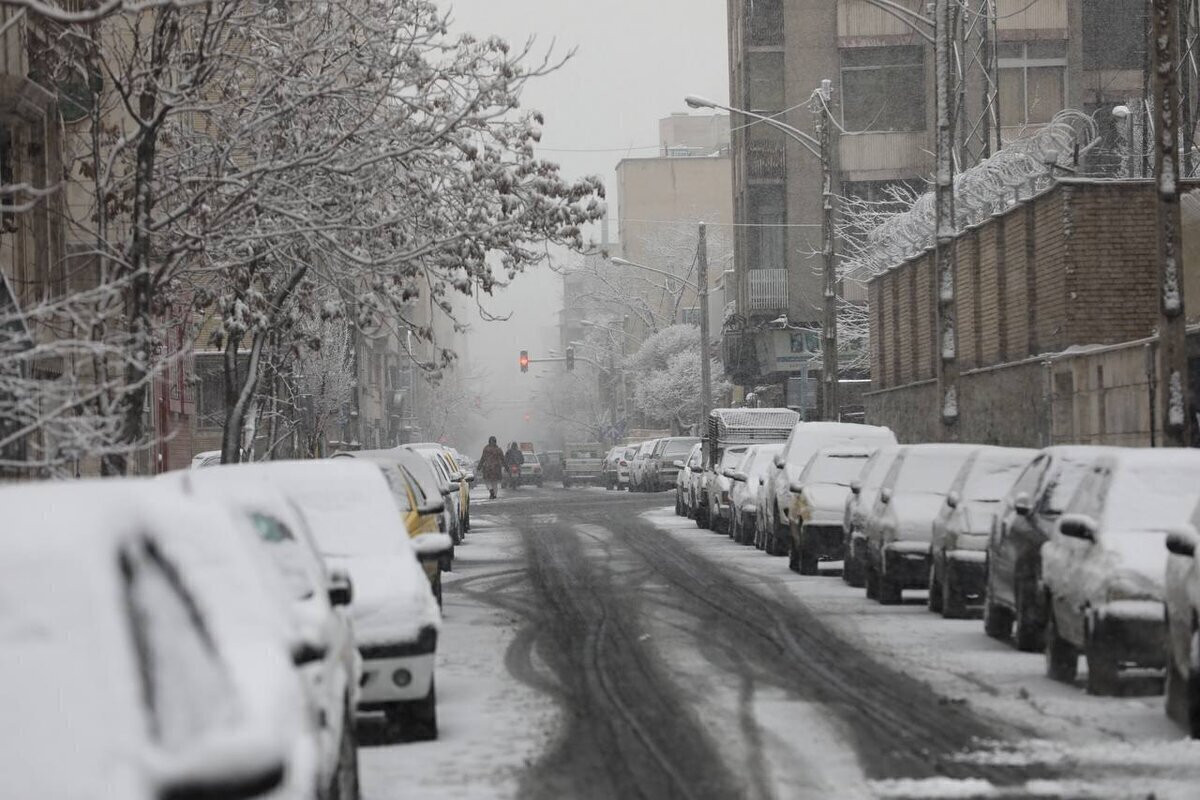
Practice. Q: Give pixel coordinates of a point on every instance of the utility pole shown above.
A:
(831, 407)
(947, 343)
(702, 294)
(1172, 324)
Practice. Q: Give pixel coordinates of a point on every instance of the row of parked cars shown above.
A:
(649, 466)
(214, 632)
(1073, 551)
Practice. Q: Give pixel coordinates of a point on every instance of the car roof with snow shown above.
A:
(1149, 489)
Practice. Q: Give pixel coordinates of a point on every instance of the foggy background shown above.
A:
(634, 64)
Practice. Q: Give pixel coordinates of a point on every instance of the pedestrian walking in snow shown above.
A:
(491, 464)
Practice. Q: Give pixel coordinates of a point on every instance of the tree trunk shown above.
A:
(238, 395)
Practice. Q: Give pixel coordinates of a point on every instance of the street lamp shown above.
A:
(621, 262)
(822, 148)
(1123, 114)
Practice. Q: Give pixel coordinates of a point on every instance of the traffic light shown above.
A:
(524, 361)
(570, 359)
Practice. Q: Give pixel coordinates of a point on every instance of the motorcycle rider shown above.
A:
(513, 459)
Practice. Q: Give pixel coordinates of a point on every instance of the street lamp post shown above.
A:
(822, 149)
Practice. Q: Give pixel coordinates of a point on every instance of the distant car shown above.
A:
(660, 469)
(900, 525)
(609, 475)
(958, 548)
(356, 524)
(819, 506)
(1023, 522)
(748, 478)
(209, 458)
(805, 439)
(323, 648)
(554, 466)
(1104, 565)
(582, 463)
(451, 485)
(719, 488)
(532, 471)
(858, 505)
(89, 588)
(684, 482)
(637, 465)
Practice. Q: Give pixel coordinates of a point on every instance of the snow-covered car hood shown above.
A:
(827, 501)
(1141, 552)
(392, 599)
(914, 515)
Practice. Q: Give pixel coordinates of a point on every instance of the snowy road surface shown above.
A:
(596, 646)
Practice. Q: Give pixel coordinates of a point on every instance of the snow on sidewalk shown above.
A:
(1123, 747)
(491, 725)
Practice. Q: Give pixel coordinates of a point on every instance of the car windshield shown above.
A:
(1150, 497)
(678, 448)
(836, 468)
(929, 472)
(732, 457)
(877, 469)
(991, 478)
(288, 555)
(1061, 487)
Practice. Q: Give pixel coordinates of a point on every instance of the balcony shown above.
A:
(767, 289)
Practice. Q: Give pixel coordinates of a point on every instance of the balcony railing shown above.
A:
(768, 289)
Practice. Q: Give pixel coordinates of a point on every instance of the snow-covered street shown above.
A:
(599, 646)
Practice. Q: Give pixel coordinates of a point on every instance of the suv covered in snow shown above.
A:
(661, 470)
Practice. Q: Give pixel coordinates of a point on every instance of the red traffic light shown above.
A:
(524, 361)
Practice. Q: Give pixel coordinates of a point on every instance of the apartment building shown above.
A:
(1040, 56)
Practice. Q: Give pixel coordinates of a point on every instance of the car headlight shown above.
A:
(1131, 586)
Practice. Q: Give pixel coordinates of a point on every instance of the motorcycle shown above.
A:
(514, 476)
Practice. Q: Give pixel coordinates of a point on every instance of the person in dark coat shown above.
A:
(513, 459)
(491, 465)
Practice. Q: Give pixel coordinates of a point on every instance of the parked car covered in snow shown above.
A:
(354, 520)
(1183, 626)
(859, 502)
(819, 505)
(900, 525)
(737, 427)
(1023, 522)
(118, 680)
(958, 548)
(748, 478)
(323, 647)
(803, 441)
(686, 479)
(718, 488)
(638, 464)
(1104, 565)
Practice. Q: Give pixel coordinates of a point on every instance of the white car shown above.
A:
(685, 481)
(174, 703)
(900, 524)
(637, 465)
(718, 488)
(357, 527)
(958, 547)
(1104, 565)
(815, 521)
(804, 441)
(748, 478)
(858, 505)
(324, 649)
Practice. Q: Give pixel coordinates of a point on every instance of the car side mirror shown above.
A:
(796, 488)
(856, 487)
(679, 464)
(341, 590)
(1022, 505)
(778, 461)
(885, 495)
(470, 477)
(306, 652)
(1182, 544)
(432, 546)
(429, 509)
(953, 499)
(1078, 526)
(728, 473)
(741, 477)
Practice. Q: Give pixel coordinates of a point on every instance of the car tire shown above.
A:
(852, 568)
(344, 785)
(997, 620)
(889, 590)
(806, 561)
(437, 589)
(1062, 659)
(936, 595)
(871, 583)
(417, 719)
(954, 602)
(1193, 692)
(1176, 700)
(1103, 669)
(1029, 632)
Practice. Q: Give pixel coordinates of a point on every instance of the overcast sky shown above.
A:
(635, 61)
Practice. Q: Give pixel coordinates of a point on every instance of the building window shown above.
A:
(1033, 81)
(768, 239)
(1114, 34)
(764, 21)
(765, 92)
(883, 88)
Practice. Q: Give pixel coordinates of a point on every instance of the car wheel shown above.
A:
(793, 560)
(1062, 659)
(935, 591)
(1176, 701)
(1193, 689)
(1029, 633)
(954, 602)
(806, 561)
(997, 620)
(889, 590)
(1104, 671)
(872, 583)
(345, 780)
(437, 589)
(417, 719)
(852, 569)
